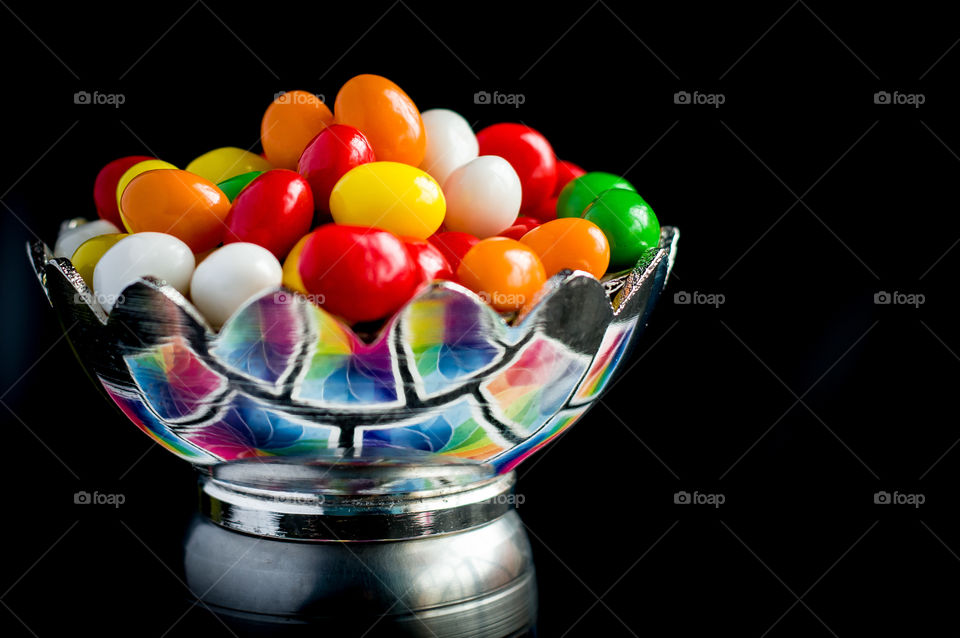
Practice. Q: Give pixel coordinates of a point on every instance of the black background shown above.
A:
(799, 198)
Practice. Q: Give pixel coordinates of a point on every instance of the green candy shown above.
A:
(579, 192)
(628, 222)
(232, 187)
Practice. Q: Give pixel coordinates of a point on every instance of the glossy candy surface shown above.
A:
(529, 153)
(451, 143)
(483, 196)
(179, 203)
(453, 246)
(291, 267)
(273, 211)
(289, 123)
(578, 193)
(223, 163)
(230, 276)
(232, 187)
(573, 243)
(505, 273)
(155, 254)
(566, 171)
(389, 195)
(133, 171)
(70, 239)
(430, 261)
(386, 115)
(105, 187)
(521, 227)
(358, 273)
(86, 256)
(329, 156)
(628, 222)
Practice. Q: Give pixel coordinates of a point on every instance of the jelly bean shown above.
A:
(453, 246)
(430, 261)
(521, 227)
(546, 211)
(291, 267)
(529, 153)
(105, 187)
(579, 192)
(223, 163)
(71, 238)
(386, 115)
(505, 273)
(571, 243)
(144, 254)
(483, 196)
(86, 256)
(232, 187)
(356, 272)
(133, 171)
(290, 122)
(329, 156)
(273, 211)
(566, 171)
(231, 276)
(179, 203)
(628, 222)
(451, 143)
(389, 195)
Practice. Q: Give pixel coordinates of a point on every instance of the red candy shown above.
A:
(453, 246)
(521, 227)
(531, 156)
(105, 187)
(430, 261)
(274, 210)
(358, 273)
(566, 171)
(328, 157)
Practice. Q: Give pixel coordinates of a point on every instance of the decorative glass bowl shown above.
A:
(445, 375)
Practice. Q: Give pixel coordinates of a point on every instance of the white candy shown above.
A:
(231, 276)
(483, 197)
(156, 254)
(71, 238)
(451, 143)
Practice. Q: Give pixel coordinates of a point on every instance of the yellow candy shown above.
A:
(291, 267)
(396, 197)
(224, 163)
(86, 256)
(133, 171)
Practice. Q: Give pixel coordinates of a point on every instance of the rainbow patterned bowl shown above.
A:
(446, 375)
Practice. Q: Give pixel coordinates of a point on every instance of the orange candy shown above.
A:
(386, 115)
(290, 122)
(178, 203)
(505, 273)
(570, 242)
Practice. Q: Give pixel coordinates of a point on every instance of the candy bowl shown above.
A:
(303, 432)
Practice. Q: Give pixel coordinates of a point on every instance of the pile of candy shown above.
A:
(357, 209)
